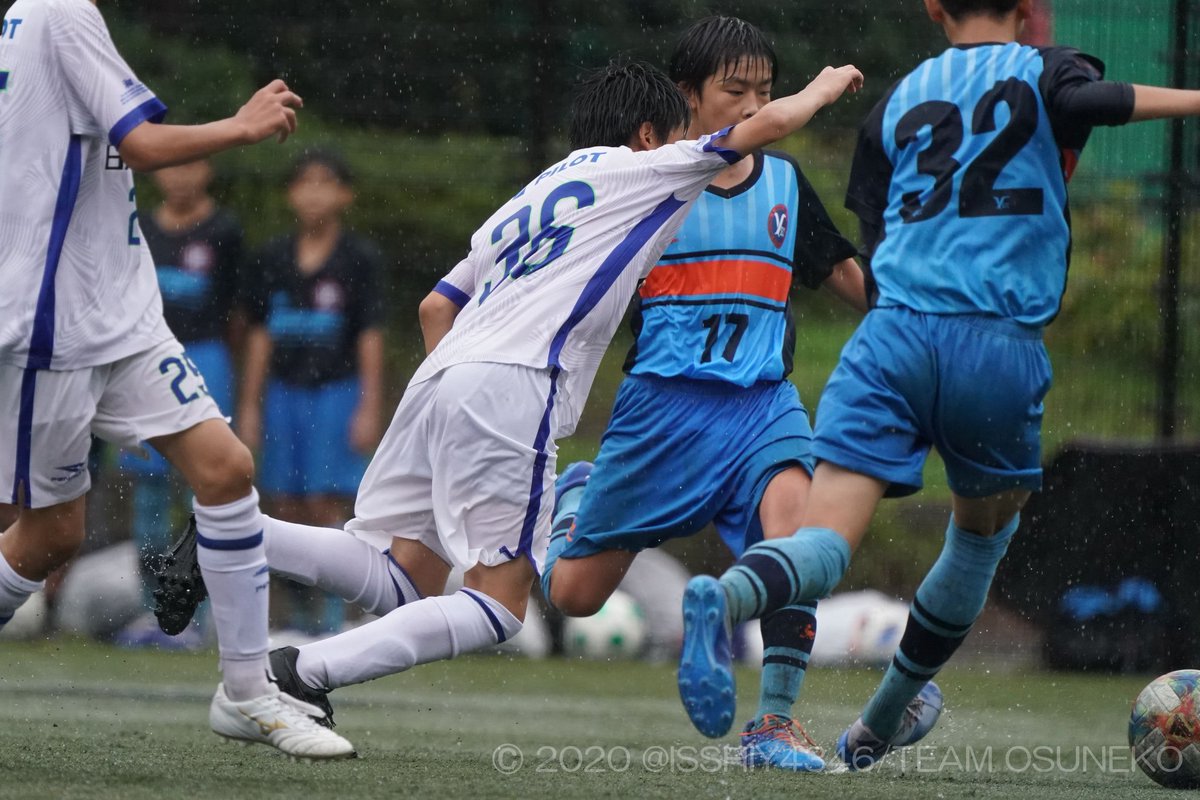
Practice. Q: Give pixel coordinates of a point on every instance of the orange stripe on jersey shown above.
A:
(719, 276)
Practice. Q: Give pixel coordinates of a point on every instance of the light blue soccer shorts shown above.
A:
(971, 386)
(306, 440)
(680, 453)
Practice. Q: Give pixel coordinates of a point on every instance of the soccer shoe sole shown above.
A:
(181, 587)
(706, 684)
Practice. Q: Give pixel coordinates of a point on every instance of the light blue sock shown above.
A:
(788, 636)
(564, 519)
(945, 607)
(780, 572)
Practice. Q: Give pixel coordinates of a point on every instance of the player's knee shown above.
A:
(574, 604)
(225, 477)
(45, 542)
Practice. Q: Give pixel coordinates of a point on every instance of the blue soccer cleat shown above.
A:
(861, 749)
(781, 743)
(706, 684)
(574, 475)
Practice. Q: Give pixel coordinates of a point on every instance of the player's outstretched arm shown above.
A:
(1156, 102)
(786, 115)
(271, 111)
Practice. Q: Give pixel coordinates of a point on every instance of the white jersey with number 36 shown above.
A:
(77, 285)
(550, 274)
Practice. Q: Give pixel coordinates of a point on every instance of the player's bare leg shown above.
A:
(38, 542)
(581, 586)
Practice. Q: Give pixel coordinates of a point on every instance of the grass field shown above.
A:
(81, 720)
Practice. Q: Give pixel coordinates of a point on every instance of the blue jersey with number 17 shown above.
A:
(963, 169)
(715, 306)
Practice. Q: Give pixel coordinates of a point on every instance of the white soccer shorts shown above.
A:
(50, 416)
(466, 467)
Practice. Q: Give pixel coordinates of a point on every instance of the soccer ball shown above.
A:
(617, 630)
(1164, 729)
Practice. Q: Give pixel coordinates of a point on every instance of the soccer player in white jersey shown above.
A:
(84, 349)
(465, 474)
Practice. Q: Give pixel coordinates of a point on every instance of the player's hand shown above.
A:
(271, 111)
(364, 430)
(833, 82)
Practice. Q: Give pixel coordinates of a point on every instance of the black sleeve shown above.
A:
(228, 287)
(1078, 99)
(368, 289)
(819, 244)
(260, 269)
(870, 176)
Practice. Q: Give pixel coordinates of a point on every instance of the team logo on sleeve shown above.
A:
(777, 225)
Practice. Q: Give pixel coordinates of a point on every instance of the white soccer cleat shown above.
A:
(279, 720)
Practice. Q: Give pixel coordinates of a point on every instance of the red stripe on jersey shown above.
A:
(1070, 160)
(719, 276)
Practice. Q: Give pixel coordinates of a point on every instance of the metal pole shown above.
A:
(1173, 241)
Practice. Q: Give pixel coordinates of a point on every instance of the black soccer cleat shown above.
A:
(181, 587)
(283, 665)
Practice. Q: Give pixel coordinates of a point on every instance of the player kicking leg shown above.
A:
(515, 332)
(84, 349)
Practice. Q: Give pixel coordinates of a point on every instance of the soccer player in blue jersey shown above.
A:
(707, 403)
(960, 181)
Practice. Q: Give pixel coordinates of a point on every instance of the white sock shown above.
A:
(14, 590)
(234, 564)
(338, 562)
(417, 633)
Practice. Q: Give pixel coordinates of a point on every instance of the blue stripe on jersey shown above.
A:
(41, 344)
(452, 293)
(611, 269)
(152, 110)
(976, 218)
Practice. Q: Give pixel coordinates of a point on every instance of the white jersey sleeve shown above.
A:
(550, 274)
(108, 99)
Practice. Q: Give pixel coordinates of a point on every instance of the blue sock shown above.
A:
(780, 572)
(151, 525)
(788, 636)
(564, 520)
(945, 607)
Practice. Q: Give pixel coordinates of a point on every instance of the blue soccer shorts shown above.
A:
(970, 386)
(306, 440)
(681, 453)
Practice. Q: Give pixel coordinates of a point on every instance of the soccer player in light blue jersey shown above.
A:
(706, 427)
(960, 182)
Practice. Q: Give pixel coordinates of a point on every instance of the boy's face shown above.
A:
(184, 182)
(732, 95)
(317, 196)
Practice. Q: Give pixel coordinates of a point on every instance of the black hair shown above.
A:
(326, 157)
(611, 104)
(959, 9)
(718, 45)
